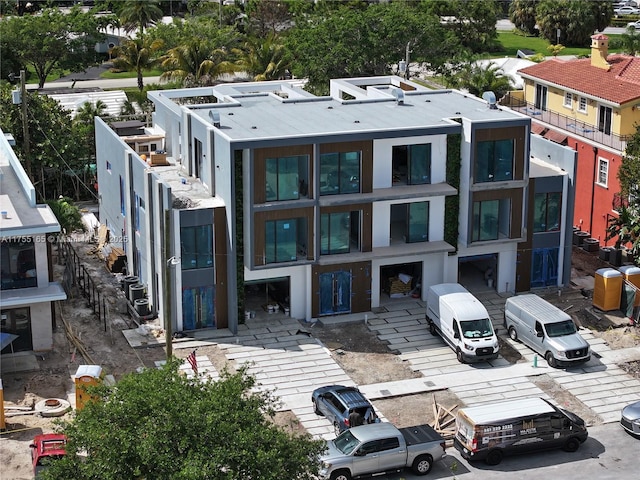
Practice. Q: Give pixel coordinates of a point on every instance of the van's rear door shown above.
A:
(465, 430)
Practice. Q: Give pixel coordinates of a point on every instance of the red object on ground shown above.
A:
(47, 448)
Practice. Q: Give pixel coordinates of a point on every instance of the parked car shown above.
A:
(342, 406)
(635, 25)
(630, 420)
(626, 10)
(373, 449)
(462, 322)
(493, 430)
(546, 329)
(45, 449)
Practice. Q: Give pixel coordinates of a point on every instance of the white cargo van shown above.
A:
(462, 321)
(545, 329)
(490, 431)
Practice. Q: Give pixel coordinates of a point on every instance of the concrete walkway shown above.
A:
(289, 362)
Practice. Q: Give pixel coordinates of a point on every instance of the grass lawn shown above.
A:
(513, 42)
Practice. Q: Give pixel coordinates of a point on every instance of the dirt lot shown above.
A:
(359, 352)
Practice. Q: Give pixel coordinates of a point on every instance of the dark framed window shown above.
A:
(335, 232)
(196, 246)
(18, 264)
(418, 222)
(491, 220)
(494, 161)
(284, 239)
(122, 203)
(412, 163)
(17, 321)
(339, 173)
(287, 178)
(546, 212)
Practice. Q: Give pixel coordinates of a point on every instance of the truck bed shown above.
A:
(420, 434)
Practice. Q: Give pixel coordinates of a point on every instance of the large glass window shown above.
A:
(18, 264)
(418, 225)
(196, 245)
(334, 233)
(17, 321)
(286, 178)
(490, 220)
(339, 173)
(494, 162)
(546, 212)
(284, 239)
(412, 164)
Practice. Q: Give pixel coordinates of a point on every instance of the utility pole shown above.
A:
(25, 123)
(406, 60)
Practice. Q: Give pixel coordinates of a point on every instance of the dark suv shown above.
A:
(343, 406)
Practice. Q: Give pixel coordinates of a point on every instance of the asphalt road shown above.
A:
(608, 454)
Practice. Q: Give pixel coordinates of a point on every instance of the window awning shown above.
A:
(554, 136)
(537, 128)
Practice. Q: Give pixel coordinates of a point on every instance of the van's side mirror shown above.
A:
(539, 334)
(456, 334)
(359, 453)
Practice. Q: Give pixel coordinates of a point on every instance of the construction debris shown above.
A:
(444, 419)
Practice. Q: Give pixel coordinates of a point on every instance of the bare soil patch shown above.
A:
(565, 399)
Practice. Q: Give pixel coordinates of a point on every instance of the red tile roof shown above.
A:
(621, 84)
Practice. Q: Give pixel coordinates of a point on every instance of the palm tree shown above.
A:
(479, 78)
(139, 14)
(195, 59)
(631, 41)
(265, 59)
(137, 55)
(88, 110)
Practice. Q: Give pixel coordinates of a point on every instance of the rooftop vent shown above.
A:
(215, 118)
(399, 94)
(490, 98)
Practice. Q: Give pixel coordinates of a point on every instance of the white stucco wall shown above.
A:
(41, 331)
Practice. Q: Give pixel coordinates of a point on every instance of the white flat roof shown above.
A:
(493, 412)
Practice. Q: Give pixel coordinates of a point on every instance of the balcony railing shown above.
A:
(569, 124)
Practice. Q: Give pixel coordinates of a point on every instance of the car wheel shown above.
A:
(341, 475)
(513, 335)
(551, 360)
(422, 465)
(315, 408)
(571, 445)
(494, 457)
(459, 356)
(432, 329)
(336, 428)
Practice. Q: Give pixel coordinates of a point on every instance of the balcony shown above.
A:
(573, 127)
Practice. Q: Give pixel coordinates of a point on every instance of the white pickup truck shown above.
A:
(381, 447)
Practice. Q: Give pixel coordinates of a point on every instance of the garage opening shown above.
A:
(267, 296)
(477, 273)
(400, 281)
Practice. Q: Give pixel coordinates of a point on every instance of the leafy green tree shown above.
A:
(575, 19)
(139, 55)
(522, 14)
(478, 78)
(68, 214)
(57, 145)
(196, 62)
(159, 424)
(52, 41)
(139, 14)
(625, 228)
(631, 41)
(472, 21)
(265, 59)
(354, 42)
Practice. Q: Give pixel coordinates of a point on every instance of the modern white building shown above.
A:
(27, 230)
(262, 194)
